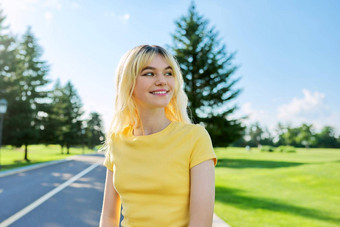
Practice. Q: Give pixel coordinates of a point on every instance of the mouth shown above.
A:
(159, 92)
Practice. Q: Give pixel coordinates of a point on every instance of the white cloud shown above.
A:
(312, 108)
(310, 104)
(126, 16)
(48, 16)
(264, 117)
(253, 115)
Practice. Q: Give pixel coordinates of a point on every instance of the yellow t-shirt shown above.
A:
(152, 173)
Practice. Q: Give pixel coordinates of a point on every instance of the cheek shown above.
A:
(172, 83)
(138, 91)
(139, 86)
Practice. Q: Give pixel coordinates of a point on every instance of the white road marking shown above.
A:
(45, 197)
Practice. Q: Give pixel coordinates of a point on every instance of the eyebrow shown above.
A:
(153, 68)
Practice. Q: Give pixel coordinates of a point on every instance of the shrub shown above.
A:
(267, 148)
(286, 149)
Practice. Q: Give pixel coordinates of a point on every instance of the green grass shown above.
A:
(14, 157)
(278, 189)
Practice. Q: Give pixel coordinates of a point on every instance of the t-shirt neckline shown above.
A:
(163, 131)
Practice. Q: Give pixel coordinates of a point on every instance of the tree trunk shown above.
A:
(26, 158)
(62, 149)
(68, 149)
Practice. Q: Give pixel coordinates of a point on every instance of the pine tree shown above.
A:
(33, 73)
(7, 57)
(54, 120)
(63, 124)
(94, 130)
(8, 87)
(7, 68)
(25, 90)
(207, 72)
(73, 114)
(64, 116)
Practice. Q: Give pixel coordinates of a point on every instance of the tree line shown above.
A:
(208, 74)
(304, 135)
(37, 114)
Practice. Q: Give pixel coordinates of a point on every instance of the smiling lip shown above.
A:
(161, 92)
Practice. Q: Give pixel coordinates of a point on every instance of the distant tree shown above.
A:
(25, 92)
(326, 138)
(258, 135)
(240, 142)
(33, 73)
(289, 137)
(7, 58)
(63, 124)
(9, 85)
(305, 135)
(255, 134)
(52, 132)
(207, 71)
(71, 130)
(267, 138)
(280, 130)
(94, 130)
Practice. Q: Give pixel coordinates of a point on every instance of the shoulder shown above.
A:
(193, 129)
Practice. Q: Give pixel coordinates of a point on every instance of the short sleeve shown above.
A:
(108, 163)
(202, 147)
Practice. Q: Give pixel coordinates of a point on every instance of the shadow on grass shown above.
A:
(247, 163)
(232, 197)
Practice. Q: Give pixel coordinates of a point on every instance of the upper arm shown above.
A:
(202, 194)
(111, 203)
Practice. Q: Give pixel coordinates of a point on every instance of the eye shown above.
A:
(168, 73)
(148, 74)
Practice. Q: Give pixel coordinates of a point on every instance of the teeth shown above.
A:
(159, 92)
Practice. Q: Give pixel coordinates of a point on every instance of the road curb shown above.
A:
(31, 167)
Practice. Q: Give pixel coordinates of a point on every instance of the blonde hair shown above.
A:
(125, 109)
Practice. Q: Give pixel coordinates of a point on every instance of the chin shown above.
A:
(159, 105)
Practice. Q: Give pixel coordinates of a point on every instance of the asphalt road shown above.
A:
(65, 194)
(77, 204)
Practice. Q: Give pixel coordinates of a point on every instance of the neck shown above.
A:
(151, 121)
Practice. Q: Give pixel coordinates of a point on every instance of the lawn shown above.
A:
(14, 157)
(278, 189)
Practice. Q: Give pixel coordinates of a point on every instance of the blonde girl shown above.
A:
(160, 166)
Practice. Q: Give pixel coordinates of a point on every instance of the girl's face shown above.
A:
(155, 84)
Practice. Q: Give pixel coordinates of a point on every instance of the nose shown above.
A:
(161, 79)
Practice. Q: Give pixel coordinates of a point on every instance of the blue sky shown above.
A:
(288, 51)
